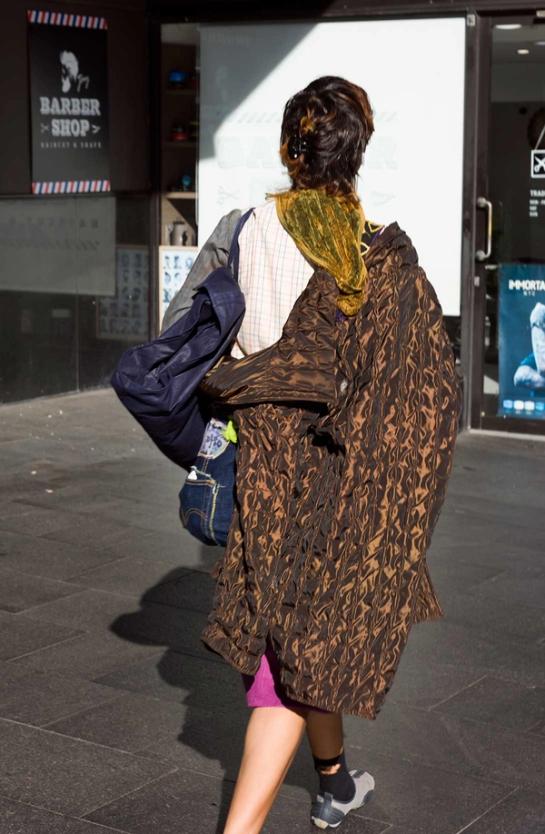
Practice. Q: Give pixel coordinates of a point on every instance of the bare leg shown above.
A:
(272, 738)
(325, 735)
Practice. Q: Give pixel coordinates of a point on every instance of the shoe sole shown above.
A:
(323, 824)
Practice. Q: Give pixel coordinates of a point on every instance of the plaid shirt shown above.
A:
(272, 275)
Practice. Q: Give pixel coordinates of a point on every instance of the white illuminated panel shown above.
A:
(413, 71)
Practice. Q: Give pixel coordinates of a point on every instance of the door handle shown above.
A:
(484, 254)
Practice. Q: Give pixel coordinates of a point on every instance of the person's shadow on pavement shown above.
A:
(172, 613)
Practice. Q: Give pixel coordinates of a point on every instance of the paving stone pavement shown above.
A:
(114, 718)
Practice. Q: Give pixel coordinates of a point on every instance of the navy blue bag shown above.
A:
(157, 381)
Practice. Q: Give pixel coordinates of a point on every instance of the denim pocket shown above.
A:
(198, 497)
(207, 498)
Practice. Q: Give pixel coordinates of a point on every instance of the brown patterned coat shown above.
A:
(346, 435)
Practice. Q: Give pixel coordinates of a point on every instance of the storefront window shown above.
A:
(514, 332)
(74, 290)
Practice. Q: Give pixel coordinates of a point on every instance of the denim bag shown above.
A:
(207, 498)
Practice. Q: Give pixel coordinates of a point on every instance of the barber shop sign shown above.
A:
(69, 103)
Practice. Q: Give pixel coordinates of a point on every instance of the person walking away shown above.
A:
(343, 389)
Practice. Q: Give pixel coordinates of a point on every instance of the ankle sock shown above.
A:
(339, 784)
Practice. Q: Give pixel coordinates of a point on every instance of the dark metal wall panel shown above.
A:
(129, 102)
(239, 10)
(15, 133)
(473, 42)
(129, 91)
(477, 306)
(364, 7)
(476, 113)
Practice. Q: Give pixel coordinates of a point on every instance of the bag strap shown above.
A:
(234, 251)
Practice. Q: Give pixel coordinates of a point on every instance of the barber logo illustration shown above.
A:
(78, 109)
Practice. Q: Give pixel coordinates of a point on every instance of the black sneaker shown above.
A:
(328, 812)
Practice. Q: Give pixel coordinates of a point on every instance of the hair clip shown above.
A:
(296, 146)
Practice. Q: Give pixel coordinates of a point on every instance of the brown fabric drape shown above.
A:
(346, 435)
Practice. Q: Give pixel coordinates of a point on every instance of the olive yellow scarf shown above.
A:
(328, 231)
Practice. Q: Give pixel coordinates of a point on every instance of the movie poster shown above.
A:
(69, 103)
(522, 340)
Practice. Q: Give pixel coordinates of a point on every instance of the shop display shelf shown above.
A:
(181, 195)
(186, 143)
(169, 246)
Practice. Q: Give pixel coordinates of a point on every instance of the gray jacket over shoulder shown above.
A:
(213, 254)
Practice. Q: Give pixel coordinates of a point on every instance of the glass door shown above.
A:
(509, 364)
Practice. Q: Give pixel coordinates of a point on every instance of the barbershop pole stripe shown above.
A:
(82, 21)
(71, 187)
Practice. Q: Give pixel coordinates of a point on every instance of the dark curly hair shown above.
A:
(325, 130)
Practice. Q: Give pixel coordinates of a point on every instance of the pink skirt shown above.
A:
(264, 688)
